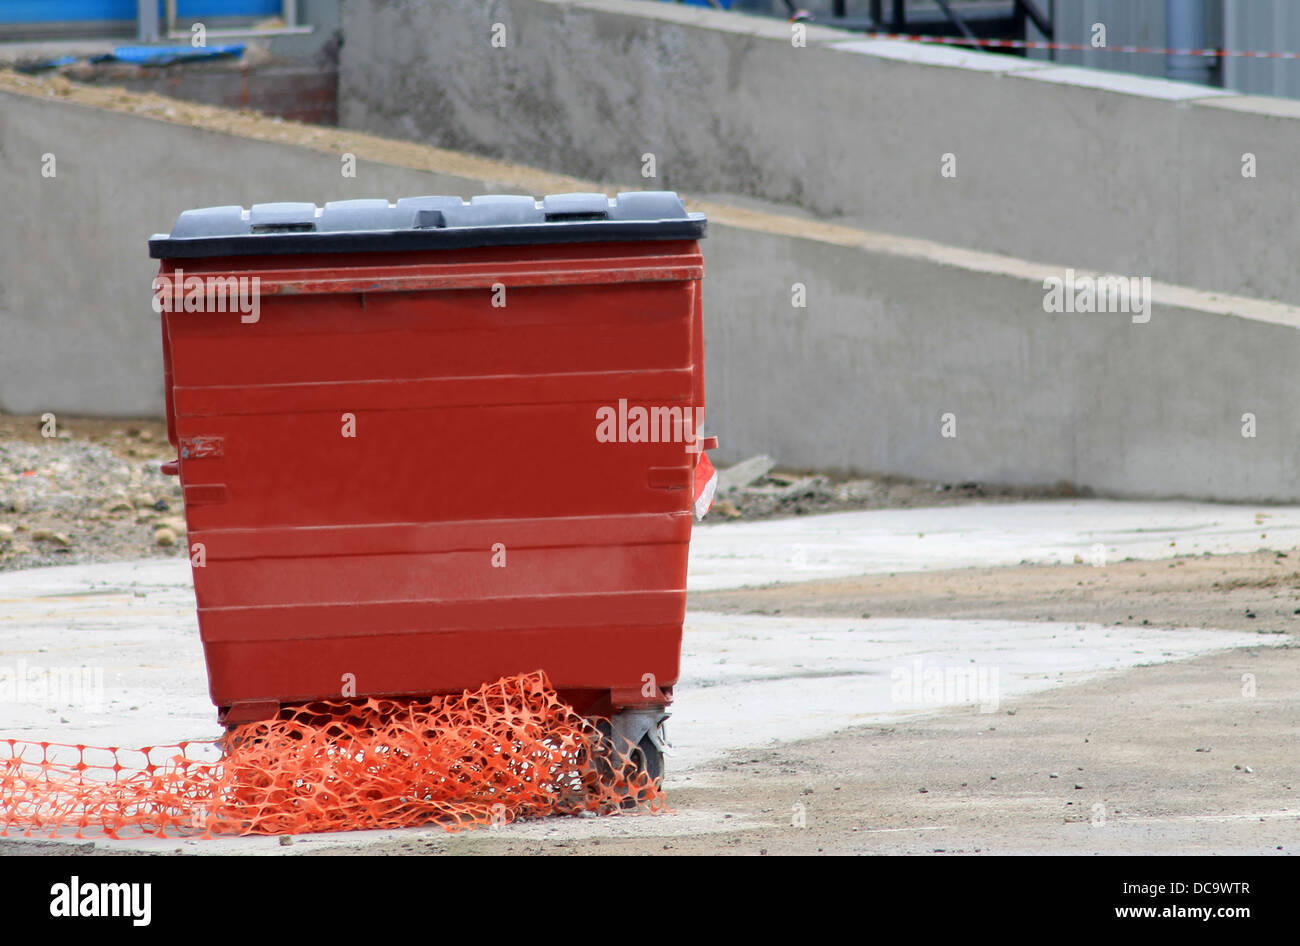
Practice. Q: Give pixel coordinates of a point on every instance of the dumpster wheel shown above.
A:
(636, 735)
(649, 758)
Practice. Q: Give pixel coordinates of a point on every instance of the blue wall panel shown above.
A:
(64, 11)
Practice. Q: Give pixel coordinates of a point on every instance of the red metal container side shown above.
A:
(474, 526)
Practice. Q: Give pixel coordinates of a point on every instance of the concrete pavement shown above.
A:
(748, 680)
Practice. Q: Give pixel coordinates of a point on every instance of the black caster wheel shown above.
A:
(649, 759)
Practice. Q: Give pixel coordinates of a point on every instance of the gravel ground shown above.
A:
(92, 492)
(789, 492)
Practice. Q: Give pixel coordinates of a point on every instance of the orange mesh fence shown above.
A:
(509, 750)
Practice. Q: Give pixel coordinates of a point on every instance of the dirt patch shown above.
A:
(130, 438)
(1252, 592)
(1291, 580)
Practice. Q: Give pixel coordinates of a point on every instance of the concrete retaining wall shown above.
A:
(77, 333)
(1059, 164)
(896, 336)
(897, 332)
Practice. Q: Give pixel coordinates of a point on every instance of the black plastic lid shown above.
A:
(427, 223)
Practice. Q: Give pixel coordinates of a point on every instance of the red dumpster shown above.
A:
(427, 444)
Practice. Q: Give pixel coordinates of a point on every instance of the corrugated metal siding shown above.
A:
(1272, 25)
(1128, 22)
(1262, 24)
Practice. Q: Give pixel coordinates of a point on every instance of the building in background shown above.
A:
(283, 61)
(1241, 25)
(1244, 25)
(51, 19)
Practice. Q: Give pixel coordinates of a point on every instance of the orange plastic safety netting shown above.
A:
(509, 750)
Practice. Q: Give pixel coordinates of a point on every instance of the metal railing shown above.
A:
(988, 20)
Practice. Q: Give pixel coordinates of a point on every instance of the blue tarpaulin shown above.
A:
(144, 56)
(166, 55)
(34, 67)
